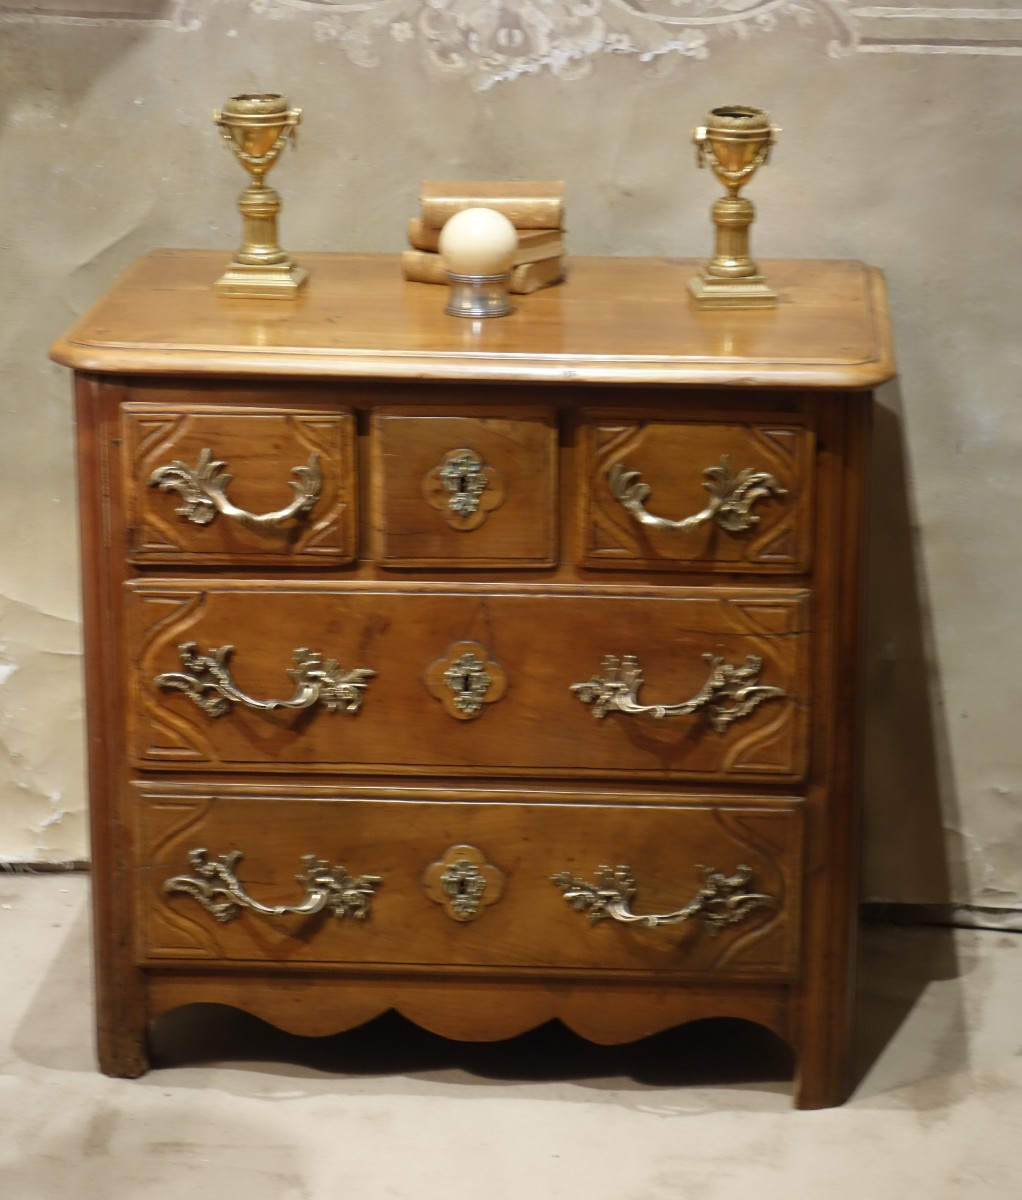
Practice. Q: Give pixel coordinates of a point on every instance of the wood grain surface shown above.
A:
(613, 320)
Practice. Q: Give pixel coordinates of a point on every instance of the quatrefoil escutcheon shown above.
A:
(463, 883)
(465, 680)
(464, 489)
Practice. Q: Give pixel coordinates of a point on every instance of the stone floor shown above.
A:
(242, 1112)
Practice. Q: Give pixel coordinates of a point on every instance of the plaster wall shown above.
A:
(900, 146)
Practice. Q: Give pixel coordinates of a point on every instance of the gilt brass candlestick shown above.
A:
(735, 142)
(256, 127)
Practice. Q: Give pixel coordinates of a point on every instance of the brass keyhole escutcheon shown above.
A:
(463, 883)
(466, 680)
(464, 489)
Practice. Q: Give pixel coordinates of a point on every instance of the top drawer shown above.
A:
(688, 495)
(238, 484)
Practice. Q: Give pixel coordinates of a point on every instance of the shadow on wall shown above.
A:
(896, 967)
(56, 1032)
(908, 784)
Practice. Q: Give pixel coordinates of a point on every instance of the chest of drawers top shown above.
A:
(615, 320)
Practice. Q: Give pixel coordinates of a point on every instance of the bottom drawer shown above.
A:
(246, 876)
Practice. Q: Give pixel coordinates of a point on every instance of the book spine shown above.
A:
(534, 245)
(422, 266)
(524, 212)
(422, 238)
(530, 277)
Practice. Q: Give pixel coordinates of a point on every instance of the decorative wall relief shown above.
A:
(496, 41)
(181, 15)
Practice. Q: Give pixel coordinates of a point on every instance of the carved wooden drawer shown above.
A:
(504, 681)
(431, 883)
(663, 492)
(476, 489)
(245, 484)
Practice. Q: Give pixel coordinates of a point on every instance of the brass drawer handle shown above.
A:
(729, 693)
(204, 490)
(731, 497)
(207, 681)
(216, 887)
(722, 900)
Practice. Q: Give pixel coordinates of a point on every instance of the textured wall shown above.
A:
(900, 146)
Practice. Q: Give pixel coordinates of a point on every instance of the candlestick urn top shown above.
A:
(734, 142)
(256, 126)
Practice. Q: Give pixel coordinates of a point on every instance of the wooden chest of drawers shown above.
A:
(492, 672)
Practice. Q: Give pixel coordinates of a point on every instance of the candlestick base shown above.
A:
(478, 295)
(279, 282)
(749, 291)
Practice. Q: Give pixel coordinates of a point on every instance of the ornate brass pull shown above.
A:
(216, 887)
(204, 490)
(207, 681)
(722, 900)
(731, 497)
(730, 692)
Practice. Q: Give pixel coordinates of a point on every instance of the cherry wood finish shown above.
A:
(618, 320)
(531, 582)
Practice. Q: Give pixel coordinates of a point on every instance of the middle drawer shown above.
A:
(658, 683)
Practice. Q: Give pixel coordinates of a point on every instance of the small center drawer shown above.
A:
(476, 490)
(472, 881)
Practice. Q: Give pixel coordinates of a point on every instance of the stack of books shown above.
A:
(534, 207)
